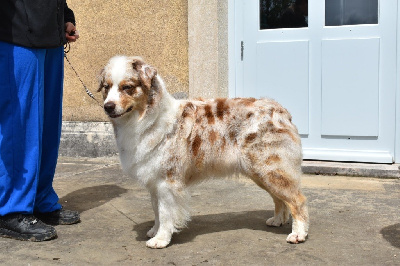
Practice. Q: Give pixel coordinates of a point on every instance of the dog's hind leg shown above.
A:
(300, 224)
(281, 214)
(172, 214)
(285, 191)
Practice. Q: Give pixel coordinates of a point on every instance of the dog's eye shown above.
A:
(127, 87)
(106, 87)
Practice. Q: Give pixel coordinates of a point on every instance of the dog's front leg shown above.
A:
(154, 202)
(165, 210)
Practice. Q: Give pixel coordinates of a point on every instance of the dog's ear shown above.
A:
(146, 72)
(147, 75)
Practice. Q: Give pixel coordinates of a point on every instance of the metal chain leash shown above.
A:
(67, 48)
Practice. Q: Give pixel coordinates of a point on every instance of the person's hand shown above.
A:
(70, 32)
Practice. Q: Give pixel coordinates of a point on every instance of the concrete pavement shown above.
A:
(354, 221)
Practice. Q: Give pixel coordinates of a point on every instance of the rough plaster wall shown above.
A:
(154, 29)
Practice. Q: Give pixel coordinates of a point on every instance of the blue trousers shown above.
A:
(31, 87)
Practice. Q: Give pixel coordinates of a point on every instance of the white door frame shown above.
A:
(235, 36)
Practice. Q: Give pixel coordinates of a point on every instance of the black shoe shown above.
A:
(60, 216)
(25, 227)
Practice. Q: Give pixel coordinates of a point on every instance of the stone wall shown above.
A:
(208, 48)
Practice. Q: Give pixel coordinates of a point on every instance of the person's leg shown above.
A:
(46, 197)
(21, 95)
(47, 207)
(21, 89)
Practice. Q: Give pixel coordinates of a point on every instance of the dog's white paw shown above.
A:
(157, 243)
(152, 232)
(275, 221)
(296, 238)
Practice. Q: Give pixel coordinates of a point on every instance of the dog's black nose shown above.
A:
(109, 107)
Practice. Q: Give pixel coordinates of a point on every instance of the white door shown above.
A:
(333, 68)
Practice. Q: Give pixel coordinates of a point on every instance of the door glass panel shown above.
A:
(276, 14)
(351, 12)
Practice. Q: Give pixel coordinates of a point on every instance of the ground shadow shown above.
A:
(392, 234)
(91, 197)
(212, 223)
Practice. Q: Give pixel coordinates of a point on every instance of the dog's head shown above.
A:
(128, 84)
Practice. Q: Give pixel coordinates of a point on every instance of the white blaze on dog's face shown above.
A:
(126, 85)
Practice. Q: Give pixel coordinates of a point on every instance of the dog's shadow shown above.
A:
(392, 234)
(213, 223)
(91, 197)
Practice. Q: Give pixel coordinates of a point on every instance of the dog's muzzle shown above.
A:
(109, 107)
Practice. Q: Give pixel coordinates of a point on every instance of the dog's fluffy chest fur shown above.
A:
(140, 141)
